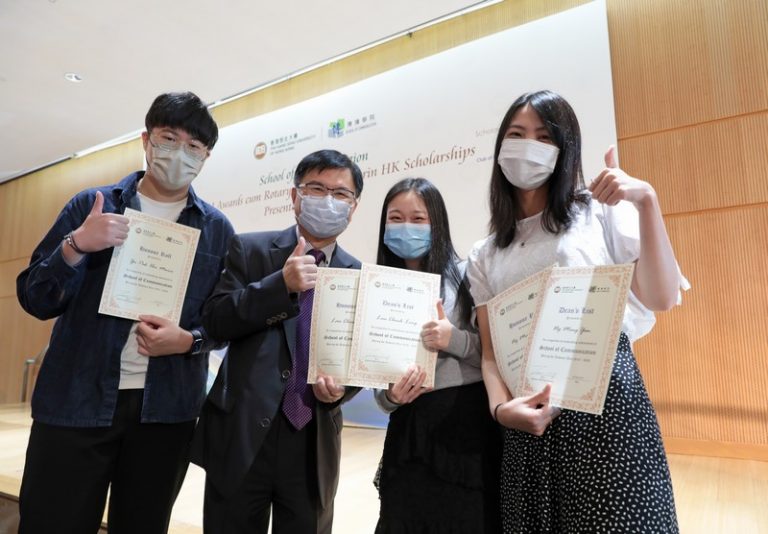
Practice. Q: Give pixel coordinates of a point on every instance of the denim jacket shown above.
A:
(78, 382)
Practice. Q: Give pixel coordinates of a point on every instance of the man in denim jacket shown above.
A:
(116, 400)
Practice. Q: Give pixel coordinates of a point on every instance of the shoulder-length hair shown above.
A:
(566, 185)
(441, 258)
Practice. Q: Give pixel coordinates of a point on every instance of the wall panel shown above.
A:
(705, 363)
(26, 336)
(683, 62)
(707, 166)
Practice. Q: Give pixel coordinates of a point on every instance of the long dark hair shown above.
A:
(566, 185)
(442, 258)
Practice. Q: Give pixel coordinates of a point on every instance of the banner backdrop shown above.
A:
(435, 118)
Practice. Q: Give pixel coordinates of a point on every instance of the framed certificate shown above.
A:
(569, 321)
(149, 272)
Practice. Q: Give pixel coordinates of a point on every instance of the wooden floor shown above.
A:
(713, 495)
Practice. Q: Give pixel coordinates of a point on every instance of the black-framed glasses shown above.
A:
(316, 189)
(168, 142)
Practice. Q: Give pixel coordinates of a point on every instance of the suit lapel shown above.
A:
(341, 259)
(282, 247)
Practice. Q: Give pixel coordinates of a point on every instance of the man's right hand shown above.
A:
(101, 230)
(300, 271)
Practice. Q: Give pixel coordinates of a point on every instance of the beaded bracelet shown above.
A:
(70, 239)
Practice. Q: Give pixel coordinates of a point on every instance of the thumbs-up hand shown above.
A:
(531, 414)
(300, 271)
(436, 334)
(613, 185)
(101, 230)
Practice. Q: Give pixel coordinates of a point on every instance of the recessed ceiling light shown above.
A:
(73, 77)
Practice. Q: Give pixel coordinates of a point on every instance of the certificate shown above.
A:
(333, 321)
(392, 306)
(572, 336)
(510, 315)
(149, 272)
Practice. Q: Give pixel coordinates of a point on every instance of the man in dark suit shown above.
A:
(266, 439)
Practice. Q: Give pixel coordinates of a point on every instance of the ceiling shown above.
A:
(129, 52)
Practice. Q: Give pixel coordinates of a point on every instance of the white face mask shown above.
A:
(174, 169)
(527, 163)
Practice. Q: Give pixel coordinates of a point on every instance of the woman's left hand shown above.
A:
(409, 387)
(436, 335)
(532, 414)
(613, 185)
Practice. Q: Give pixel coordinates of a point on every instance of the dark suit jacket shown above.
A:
(252, 309)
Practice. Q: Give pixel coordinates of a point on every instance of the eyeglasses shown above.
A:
(168, 141)
(315, 189)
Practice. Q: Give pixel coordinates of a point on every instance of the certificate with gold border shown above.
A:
(510, 317)
(571, 338)
(392, 306)
(149, 272)
(333, 321)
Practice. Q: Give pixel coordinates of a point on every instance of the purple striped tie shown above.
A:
(299, 400)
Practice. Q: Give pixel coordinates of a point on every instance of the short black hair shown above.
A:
(328, 159)
(441, 258)
(566, 185)
(185, 111)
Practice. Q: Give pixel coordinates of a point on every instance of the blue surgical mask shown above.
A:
(323, 216)
(407, 240)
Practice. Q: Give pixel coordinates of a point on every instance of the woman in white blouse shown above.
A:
(571, 471)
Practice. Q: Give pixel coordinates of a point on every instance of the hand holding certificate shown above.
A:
(149, 272)
(366, 325)
(561, 327)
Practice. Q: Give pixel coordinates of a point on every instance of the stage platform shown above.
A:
(713, 495)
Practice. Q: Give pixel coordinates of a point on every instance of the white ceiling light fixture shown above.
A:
(73, 77)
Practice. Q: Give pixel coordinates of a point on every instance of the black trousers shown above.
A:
(68, 471)
(283, 478)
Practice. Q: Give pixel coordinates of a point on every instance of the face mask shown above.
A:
(323, 216)
(174, 169)
(526, 163)
(407, 240)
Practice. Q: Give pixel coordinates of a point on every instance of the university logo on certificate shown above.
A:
(561, 326)
(149, 272)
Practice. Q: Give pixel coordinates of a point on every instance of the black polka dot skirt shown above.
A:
(591, 473)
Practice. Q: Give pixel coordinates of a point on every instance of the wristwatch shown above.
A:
(197, 342)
